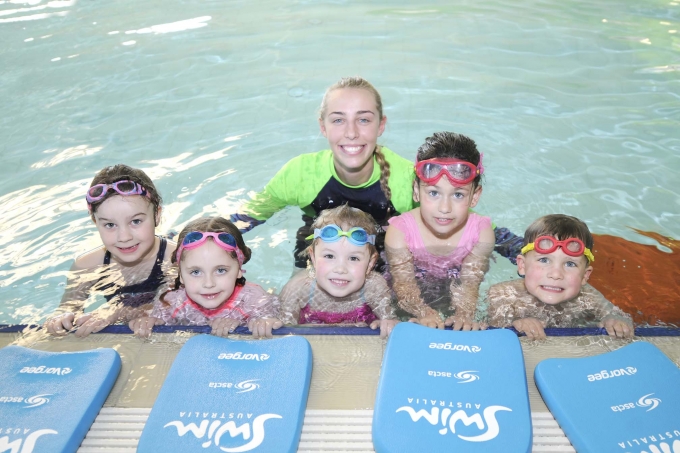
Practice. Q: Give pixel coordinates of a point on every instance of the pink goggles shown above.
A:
(459, 172)
(124, 187)
(225, 241)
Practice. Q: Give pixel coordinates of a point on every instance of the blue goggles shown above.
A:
(333, 233)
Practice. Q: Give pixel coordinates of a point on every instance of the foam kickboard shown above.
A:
(624, 401)
(232, 396)
(452, 391)
(48, 400)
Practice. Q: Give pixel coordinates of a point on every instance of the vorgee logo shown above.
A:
(45, 370)
(455, 347)
(242, 356)
(604, 374)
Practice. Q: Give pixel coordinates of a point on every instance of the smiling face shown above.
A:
(443, 206)
(126, 226)
(553, 277)
(341, 267)
(209, 274)
(352, 124)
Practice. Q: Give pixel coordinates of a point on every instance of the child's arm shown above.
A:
(617, 322)
(404, 283)
(465, 290)
(294, 295)
(379, 299)
(84, 273)
(262, 310)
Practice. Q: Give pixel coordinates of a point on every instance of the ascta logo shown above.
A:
(33, 401)
(485, 422)
(23, 445)
(45, 370)
(644, 402)
(455, 347)
(215, 429)
(242, 356)
(604, 374)
(244, 386)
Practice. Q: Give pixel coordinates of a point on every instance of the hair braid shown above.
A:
(384, 172)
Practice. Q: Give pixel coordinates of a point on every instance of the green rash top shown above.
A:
(310, 181)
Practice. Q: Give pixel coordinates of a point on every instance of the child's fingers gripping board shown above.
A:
(232, 396)
(626, 401)
(452, 391)
(48, 400)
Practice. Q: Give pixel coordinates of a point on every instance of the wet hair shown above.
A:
(449, 145)
(559, 226)
(360, 83)
(345, 217)
(120, 172)
(213, 225)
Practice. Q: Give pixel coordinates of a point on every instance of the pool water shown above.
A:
(575, 105)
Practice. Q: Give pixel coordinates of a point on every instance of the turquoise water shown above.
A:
(574, 103)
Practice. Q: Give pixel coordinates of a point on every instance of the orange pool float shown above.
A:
(641, 279)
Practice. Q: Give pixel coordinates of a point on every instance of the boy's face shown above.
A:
(553, 277)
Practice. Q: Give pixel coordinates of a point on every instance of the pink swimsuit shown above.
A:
(249, 301)
(439, 266)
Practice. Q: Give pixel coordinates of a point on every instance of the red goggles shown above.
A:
(548, 244)
(459, 172)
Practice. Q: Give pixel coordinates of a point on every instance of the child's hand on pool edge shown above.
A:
(59, 325)
(385, 325)
(91, 323)
(262, 327)
(617, 328)
(142, 327)
(531, 327)
(430, 320)
(222, 327)
(464, 323)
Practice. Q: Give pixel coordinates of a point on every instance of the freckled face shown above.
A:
(126, 226)
(444, 207)
(209, 274)
(553, 277)
(341, 267)
(352, 125)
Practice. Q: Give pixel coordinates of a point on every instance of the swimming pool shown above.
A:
(574, 104)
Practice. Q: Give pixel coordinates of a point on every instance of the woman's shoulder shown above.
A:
(398, 164)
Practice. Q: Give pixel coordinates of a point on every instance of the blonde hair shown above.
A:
(345, 217)
(360, 83)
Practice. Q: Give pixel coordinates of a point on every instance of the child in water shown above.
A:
(555, 263)
(439, 252)
(341, 286)
(211, 289)
(129, 265)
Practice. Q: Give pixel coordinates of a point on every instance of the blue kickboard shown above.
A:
(452, 391)
(624, 401)
(48, 400)
(232, 396)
